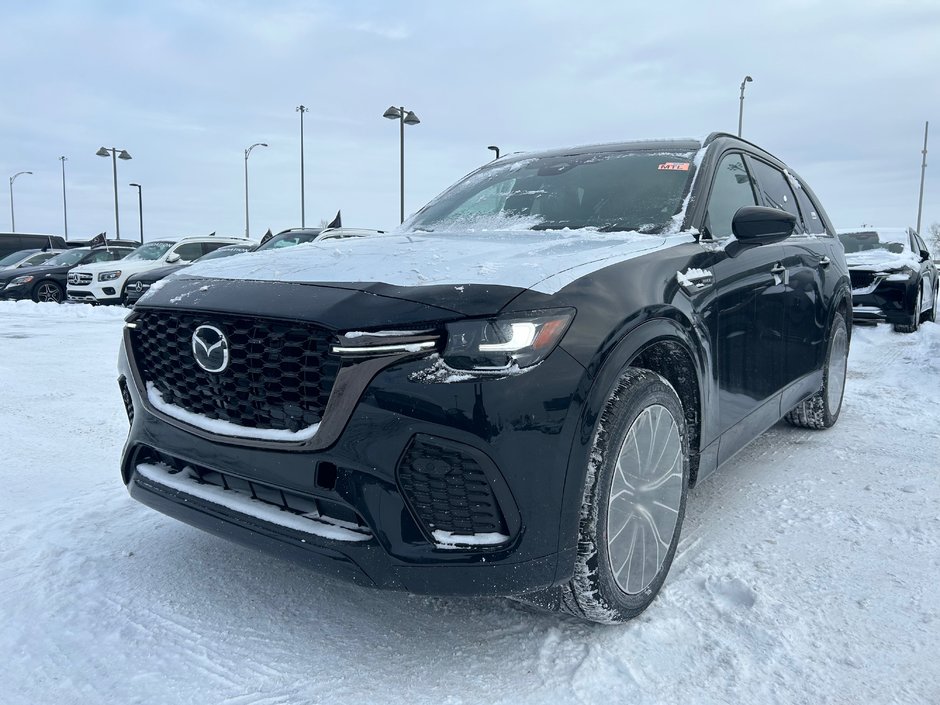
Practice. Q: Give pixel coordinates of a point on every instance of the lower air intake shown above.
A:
(450, 493)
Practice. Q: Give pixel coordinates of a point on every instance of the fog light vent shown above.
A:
(449, 491)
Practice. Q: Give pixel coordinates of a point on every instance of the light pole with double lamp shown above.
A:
(12, 211)
(303, 212)
(405, 117)
(747, 79)
(115, 154)
(140, 209)
(247, 153)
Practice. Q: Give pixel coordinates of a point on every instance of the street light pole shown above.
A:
(747, 79)
(65, 208)
(140, 209)
(12, 212)
(303, 215)
(115, 154)
(248, 152)
(405, 117)
(923, 169)
(494, 148)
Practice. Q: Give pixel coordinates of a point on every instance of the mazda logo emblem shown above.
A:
(210, 348)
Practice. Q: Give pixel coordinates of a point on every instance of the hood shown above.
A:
(338, 308)
(880, 259)
(125, 266)
(39, 270)
(520, 259)
(155, 273)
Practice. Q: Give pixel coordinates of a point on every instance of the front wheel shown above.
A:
(48, 292)
(822, 409)
(633, 503)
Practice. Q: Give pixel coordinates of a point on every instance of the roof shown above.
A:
(664, 145)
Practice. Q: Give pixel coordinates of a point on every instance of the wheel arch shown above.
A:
(668, 345)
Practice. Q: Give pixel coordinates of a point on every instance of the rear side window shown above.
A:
(189, 251)
(731, 189)
(102, 256)
(811, 221)
(773, 188)
(208, 247)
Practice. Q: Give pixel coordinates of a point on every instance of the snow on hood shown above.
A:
(545, 261)
(881, 259)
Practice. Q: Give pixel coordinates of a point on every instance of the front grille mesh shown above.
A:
(128, 401)
(280, 373)
(861, 279)
(80, 278)
(449, 490)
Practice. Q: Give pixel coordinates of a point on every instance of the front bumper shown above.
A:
(885, 300)
(14, 293)
(95, 292)
(522, 426)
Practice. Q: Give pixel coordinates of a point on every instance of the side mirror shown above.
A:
(924, 255)
(757, 225)
(173, 259)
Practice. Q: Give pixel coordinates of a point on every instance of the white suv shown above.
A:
(103, 282)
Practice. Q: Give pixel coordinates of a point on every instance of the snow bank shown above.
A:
(807, 570)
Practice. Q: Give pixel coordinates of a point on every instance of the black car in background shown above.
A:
(289, 238)
(893, 277)
(139, 284)
(510, 396)
(14, 242)
(47, 282)
(26, 258)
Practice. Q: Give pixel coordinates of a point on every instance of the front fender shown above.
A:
(601, 378)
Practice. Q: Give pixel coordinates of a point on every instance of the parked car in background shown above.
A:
(289, 238)
(26, 258)
(48, 281)
(512, 395)
(893, 277)
(138, 284)
(14, 242)
(105, 284)
(300, 236)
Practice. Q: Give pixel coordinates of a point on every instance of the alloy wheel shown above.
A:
(645, 498)
(49, 293)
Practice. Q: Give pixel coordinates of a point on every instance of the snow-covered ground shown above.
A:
(809, 570)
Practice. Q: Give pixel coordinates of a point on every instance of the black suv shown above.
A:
(513, 394)
(47, 281)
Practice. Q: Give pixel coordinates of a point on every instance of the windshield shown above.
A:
(609, 191)
(289, 239)
(65, 258)
(226, 252)
(896, 241)
(150, 251)
(16, 257)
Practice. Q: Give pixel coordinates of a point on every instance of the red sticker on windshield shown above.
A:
(674, 166)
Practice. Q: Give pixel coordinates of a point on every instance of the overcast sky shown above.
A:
(841, 91)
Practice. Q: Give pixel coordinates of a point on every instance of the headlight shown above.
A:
(109, 276)
(19, 281)
(516, 339)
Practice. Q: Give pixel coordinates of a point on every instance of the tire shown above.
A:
(48, 291)
(931, 315)
(822, 409)
(915, 323)
(613, 520)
